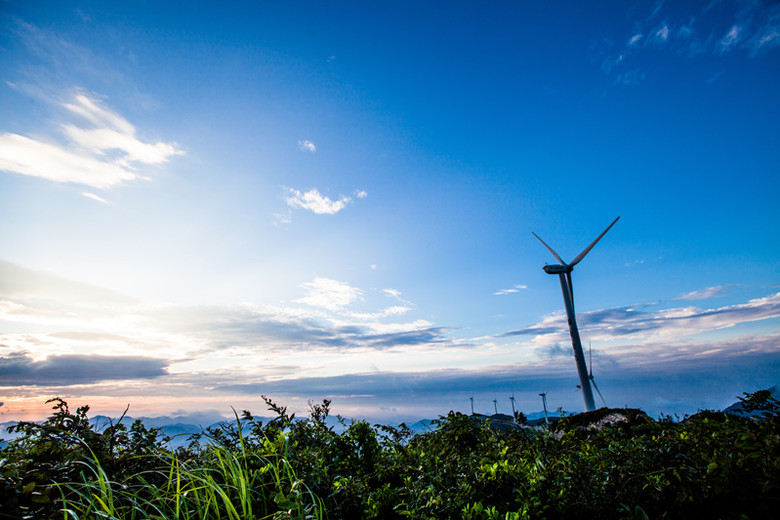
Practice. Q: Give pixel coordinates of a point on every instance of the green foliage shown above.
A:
(612, 464)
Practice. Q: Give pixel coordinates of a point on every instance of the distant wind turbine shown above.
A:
(472, 405)
(563, 270)
(590, 374)
(544, 403)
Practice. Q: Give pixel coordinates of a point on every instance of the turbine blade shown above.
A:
(549, 248)
(585, 252)
(593, 381)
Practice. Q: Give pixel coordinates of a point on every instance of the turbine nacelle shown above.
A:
(563, 267)
(557, 269)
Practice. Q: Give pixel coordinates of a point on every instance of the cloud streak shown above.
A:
(703, 294)
(633, 322)
(77, 369)
(753, 27)
(515, 289)
(101, 151)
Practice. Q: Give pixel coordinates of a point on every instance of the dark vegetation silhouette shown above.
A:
(609, 463)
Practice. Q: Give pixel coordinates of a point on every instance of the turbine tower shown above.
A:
(544, 403)
(563, 270)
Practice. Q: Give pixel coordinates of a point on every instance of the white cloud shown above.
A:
(662, 33)
(703, 294)
(19, 154)
(629, 322)
(283, 219)
(95, 197)
(515, 289)
(754, 26)
(90, 110)
(771, 38)
(85, 158)
(730, 39)
(314, 201)
(330, 294)
(393, 293)
(361, 194)
(203, 349)
(368, 319)
(306, 146)
(100, 140)
(768, 35)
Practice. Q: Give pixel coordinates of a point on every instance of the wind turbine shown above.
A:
(472, 404)
(544, 403)
(563, 270)
(590, 374)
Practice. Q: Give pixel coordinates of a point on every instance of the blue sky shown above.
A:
(203, 202)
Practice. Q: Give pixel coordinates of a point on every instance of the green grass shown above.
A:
(710, 465)
(221, 483)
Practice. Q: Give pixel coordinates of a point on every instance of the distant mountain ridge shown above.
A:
(180, 427)
(739, 407)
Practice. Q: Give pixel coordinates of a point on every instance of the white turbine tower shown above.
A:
(563, 270)
(544, 403)
(590, 374)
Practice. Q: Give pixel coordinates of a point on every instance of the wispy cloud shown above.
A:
(307, 347)
(662, 33)
(67, 318)
(101, 148)
(95, 197)
(77, 369)
(307, 146)
(730, 39)
(703, 294)
(330, 294)
(749, 26)
(634, 322)
(515, 289)
(315, 202)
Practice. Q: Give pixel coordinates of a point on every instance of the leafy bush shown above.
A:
(608, 464)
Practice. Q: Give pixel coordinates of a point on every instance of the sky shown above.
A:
(206, 202)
